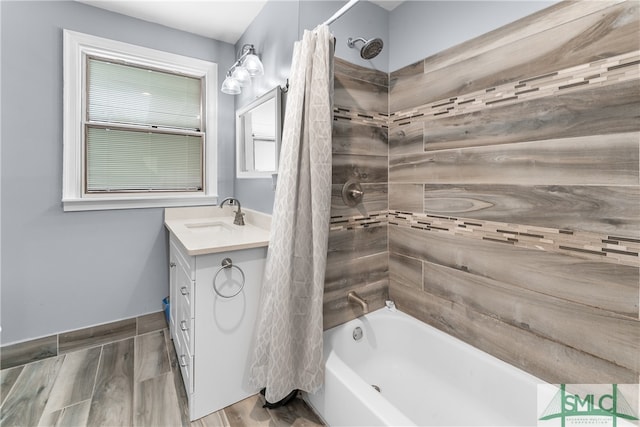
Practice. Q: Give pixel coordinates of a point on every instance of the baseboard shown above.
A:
(57, 344)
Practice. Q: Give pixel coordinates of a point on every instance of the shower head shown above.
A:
(370, 49)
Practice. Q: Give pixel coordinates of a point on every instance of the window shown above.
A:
(139, 126)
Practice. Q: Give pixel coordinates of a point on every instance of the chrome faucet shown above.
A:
(239, 219)
(354, 298)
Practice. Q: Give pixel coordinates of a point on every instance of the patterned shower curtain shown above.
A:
(287, 350)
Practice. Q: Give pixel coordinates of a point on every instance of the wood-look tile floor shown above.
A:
(133, 382)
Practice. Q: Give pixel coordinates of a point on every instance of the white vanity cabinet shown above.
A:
(211, 334)
(181, 288)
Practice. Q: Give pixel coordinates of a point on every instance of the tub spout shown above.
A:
(354, 298)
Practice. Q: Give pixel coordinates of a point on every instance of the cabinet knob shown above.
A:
(183, 325)
(172, 264)
(183, 360)
(184, 290)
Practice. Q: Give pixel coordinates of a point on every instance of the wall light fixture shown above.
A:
(240, 73)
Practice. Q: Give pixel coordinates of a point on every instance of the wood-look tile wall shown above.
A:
(514, 192)
(357, 258)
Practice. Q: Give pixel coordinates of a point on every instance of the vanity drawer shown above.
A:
(184, 260)
(184, 292)
(185, 361)
(186, 369)
(184, 325)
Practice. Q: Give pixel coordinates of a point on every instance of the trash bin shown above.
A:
(166, 308)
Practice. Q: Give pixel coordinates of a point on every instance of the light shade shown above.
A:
(230, 86)
(241, 72)
(242, 76)
(253, 65)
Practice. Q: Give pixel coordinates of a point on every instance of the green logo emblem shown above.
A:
(584, 405)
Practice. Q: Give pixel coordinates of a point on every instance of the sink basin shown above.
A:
(209, 226)
(208, 229)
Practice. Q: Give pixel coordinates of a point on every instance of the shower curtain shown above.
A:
(287, 350)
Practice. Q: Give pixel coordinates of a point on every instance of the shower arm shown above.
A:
(351, 42)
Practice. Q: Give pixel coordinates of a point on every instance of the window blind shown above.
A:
(126, 94)
(142, 131)
(120, 160)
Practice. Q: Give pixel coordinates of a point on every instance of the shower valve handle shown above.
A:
(356, 194)
(352, 193)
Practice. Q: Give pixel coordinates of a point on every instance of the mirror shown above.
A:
(258, 133)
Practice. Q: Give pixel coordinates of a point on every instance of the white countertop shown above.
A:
(209, 229)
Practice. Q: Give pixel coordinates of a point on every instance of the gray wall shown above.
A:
(410, 32)
(415, 29)
(419, 29)
(365, 20)
(273, 33)
(64, 271)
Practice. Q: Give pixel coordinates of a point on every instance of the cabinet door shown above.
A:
(224, 328)
(173, 297)
(184, 309)
(181, 284)
(183, 334)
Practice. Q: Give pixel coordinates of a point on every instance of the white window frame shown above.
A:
(77, 46)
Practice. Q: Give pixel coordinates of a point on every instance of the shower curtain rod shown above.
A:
(341, 12)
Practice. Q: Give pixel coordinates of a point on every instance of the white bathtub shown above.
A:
(426, 378)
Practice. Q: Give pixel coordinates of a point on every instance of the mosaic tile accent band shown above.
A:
(373, 219)
(602, 247)
(361, 117)
(612, 70)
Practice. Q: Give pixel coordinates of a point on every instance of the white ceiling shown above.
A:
(224, 20)
(388, 4)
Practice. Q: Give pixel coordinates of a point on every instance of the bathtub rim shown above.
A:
(378, 404)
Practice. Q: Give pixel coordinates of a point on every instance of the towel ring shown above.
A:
(226, 264)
